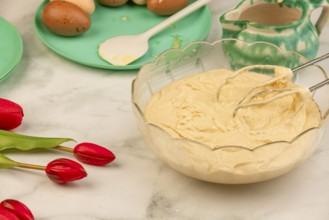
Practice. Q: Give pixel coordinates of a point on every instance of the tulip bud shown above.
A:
(11, 114)
(64, 170)
(93, 154)
(16, 207)
(5, 214)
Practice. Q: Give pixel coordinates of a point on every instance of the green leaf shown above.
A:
(10, 140)
(5, 162)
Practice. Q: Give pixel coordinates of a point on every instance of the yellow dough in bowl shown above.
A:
(242, 117)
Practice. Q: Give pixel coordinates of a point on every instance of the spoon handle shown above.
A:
(175, 17)
(325, 56)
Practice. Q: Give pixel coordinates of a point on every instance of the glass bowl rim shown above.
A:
(211, 44)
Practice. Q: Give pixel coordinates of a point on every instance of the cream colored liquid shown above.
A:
(271, 14)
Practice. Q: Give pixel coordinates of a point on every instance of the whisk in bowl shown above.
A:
(274, 88)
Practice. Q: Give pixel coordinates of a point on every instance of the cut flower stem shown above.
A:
(63, 148)
(30, 166)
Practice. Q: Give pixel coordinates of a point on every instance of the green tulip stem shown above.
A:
(30, 166)
(62, 148)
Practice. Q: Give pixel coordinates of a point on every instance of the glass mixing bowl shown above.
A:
(225, 164)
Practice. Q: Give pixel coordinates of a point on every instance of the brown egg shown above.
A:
(166, 7)
(65, 18)
(86, 5)
(112, 3)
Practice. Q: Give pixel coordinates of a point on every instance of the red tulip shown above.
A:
(21, 211)
(64, 170)
(5, 214)
(60, 170)
(93, 154)
(11, 114)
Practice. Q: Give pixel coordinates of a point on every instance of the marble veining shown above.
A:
(64, 99)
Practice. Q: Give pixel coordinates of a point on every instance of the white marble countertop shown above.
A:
(64, 99)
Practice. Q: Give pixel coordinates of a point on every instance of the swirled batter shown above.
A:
(223, 108)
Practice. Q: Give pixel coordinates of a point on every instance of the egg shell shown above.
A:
(65, 18)
(86, 5)
(112, 3)
(166, 7)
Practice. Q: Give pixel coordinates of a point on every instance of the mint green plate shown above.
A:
(108, 22)
(11, 48)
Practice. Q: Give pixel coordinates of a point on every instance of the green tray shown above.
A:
(108, 22)
(11, 48)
